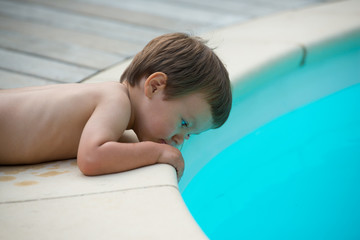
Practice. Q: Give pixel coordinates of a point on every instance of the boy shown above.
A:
(176, 86)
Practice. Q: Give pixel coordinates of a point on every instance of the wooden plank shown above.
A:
(60, 51)
(62, 35)
(69, 20)
(223, 6)
(247, 9)
(15, 80)
(43, 68)
(135, 18)
(183, 13)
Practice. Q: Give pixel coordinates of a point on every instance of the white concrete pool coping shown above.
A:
(55, 201)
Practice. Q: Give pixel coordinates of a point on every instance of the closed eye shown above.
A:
(184, 123)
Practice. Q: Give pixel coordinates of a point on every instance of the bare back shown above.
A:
(45, 123)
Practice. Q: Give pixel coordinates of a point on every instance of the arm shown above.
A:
(100, 153)
(112, 157)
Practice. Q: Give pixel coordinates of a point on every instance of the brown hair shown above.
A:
(190, 66)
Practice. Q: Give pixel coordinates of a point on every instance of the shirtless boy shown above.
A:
(175, 87)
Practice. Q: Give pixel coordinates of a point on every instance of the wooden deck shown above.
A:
(65, 41)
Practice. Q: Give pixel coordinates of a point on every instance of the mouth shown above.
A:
(162, 141)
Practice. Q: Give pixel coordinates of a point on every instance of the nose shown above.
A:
(178, 139)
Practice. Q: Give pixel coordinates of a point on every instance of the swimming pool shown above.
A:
(286, 165)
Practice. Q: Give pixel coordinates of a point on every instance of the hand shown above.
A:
(172, 156)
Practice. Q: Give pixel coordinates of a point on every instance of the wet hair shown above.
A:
(190, 66)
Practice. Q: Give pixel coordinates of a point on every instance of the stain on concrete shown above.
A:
(25, 183)
(7, 178)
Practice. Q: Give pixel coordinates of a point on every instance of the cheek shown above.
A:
(163, 127)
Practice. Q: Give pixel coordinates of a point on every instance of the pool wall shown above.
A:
(146, 203)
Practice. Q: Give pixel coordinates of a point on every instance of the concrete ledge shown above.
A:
(55, 201)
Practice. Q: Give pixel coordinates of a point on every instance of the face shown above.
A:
(172, 121)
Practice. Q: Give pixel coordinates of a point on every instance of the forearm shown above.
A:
(113, 157)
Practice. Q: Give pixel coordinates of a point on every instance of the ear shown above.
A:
(155, 83)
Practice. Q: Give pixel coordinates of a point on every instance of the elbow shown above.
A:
(88, 165)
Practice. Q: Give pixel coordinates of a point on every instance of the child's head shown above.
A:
(190, 67)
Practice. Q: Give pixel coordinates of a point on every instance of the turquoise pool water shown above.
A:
(287, 163)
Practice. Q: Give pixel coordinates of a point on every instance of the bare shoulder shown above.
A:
(113, 96)
(113, 107)
(110, 117)
(113, 90)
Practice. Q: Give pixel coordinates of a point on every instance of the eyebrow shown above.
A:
(192, 121)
